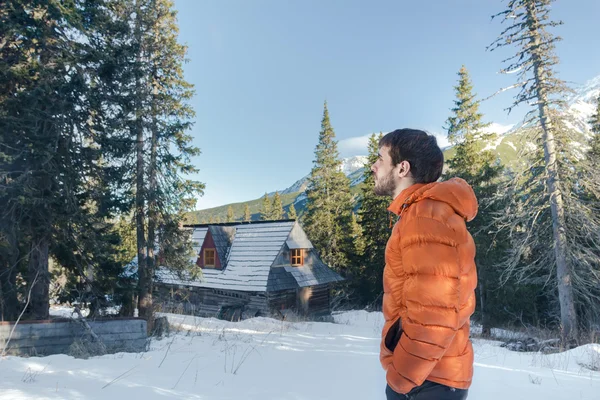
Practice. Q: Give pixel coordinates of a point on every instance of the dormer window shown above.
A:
(209, 257)
(297, 257)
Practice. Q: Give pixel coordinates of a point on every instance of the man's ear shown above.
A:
(404, 169)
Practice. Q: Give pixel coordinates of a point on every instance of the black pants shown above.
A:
(428, 391)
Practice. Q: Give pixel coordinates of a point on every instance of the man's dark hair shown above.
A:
(421, 151)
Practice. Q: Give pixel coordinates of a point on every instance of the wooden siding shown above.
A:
(319, 301)
(37, 338)
(309, 301)
(256, 273)
(207, 302)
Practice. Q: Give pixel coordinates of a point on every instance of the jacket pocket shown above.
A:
(393, 336)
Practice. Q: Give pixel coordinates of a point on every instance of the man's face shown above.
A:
(385, 174)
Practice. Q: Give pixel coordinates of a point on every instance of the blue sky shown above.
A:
(263, 68)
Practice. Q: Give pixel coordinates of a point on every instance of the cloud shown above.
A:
(359, 145)
(442, 139)
(354, 146)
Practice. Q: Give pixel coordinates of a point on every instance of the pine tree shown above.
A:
(230, 217)
(355, 272)
(590, 208)
(247, 215)
(357, 236)
(277, 208)
(265, 209)
(49, 194)
(466, 132)
(375, 222)
(162, 117)
(558, 254)
(592, 161)
(329, 202)
(291, 214)
(595, 125)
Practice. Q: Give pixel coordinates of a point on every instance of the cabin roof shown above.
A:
(247, 252)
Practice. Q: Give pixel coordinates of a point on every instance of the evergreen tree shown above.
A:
(534, 64)
(375, 222)
(356, 235)
(163, 146)
(265, 209)
(466, 132)
(230, 217)
(594, 153)
(103, 82)
(277, 208)
(247, 215)
(52, 196)
(291, 214)
(355, 273)
(589, 237)
(329, 202)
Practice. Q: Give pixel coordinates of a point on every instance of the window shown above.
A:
(209, 257)
(297, 257)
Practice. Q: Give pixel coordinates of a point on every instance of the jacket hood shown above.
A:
(455, 192)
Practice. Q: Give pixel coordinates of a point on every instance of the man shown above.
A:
(429, 278)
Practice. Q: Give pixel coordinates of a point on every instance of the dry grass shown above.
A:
(84, 348)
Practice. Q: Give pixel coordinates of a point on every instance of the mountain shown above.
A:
(581, 106)
(349, 167)
(352, 167)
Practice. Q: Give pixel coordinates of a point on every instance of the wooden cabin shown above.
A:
(267, 268)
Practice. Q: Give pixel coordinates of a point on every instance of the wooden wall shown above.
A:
(56, 337)
(205, 302)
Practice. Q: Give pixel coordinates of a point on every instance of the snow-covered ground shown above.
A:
(265, 359)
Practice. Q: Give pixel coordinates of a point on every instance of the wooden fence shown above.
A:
(65, 336)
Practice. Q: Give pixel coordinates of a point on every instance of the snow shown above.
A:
(511, 144)
(348, 166)
(582, 110)
(64, 311)
(587, 93)
(494, 144)
(353, 164)
(264, 358)
(530, 146)
(498, 129)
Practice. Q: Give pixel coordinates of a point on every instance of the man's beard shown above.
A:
(386, 186)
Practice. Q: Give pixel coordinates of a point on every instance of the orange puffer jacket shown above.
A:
(429, 285)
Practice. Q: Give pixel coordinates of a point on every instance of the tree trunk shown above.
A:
(39, 278)
(568, 315)
(139, 195)
(9, 306)
(147, 313)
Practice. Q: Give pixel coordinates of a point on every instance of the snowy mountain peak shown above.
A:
(353, 164)
(349, 166)
(588, 93)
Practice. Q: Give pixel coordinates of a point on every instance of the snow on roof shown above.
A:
(248, 251)
(252, 252)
